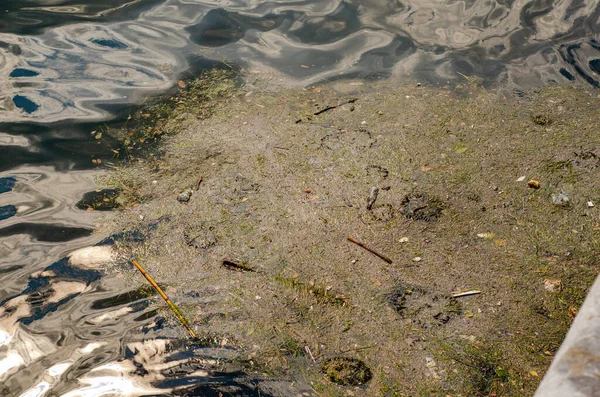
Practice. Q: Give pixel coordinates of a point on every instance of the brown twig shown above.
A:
(302, 338)
(362, 245)
(310, 354)
(358, 348)
(335, 106)
(228, 263)
(198, 183)
(166, 298)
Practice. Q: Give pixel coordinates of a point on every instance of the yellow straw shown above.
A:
(166, 298)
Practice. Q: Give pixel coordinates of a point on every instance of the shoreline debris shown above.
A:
(560, 198)
(460, 294)
(230, 264)
(372, 197)
(307, 349)
(185, 196)
(328, 108)
(198, 183)
(362, 245)
(553, 285)
(347, 371)
(174, 308)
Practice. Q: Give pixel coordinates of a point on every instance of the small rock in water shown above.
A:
(560, 199)
(372, 197)
(185, 196)
(92, 257)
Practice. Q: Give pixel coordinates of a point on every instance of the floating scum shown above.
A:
(259, 253)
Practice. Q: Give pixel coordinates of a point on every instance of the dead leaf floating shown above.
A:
(553, 285)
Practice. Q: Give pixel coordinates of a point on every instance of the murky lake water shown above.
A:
(67, 327)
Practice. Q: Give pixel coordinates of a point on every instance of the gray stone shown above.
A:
(575, 371)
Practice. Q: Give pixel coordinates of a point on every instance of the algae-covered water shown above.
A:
(70, 68)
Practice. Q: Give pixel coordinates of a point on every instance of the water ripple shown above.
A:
(68, 70)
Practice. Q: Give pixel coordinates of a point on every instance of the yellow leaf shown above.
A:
(461, 149)
(533, 373)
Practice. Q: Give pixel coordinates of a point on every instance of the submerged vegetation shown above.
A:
(286, 178)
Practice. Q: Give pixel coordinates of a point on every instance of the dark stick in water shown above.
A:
(198, 183)
(385, 258)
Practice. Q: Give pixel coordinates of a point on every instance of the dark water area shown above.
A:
(68, 326)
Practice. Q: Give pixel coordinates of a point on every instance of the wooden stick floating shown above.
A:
(166, 298)
(328, 108)
(228, 263)
(310, 354)
(466, 293)
(355, 241)
(198, 182)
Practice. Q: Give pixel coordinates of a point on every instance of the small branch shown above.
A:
(198, 183)
(466, 293)
(302, 338)
(166, 298)
(310, 354)
(237, 266)
(358, 348)
(362, 245)
(328, 108)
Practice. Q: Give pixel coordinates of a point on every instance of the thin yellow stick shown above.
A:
(166, 298)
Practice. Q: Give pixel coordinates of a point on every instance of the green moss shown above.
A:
(321, 294)
(347, 371)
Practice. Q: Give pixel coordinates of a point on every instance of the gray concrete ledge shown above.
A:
(575, 371)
